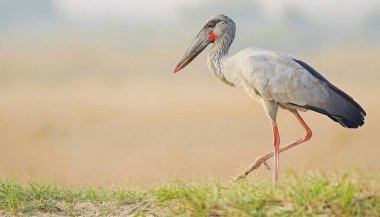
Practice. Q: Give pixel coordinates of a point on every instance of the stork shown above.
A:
(275, 80)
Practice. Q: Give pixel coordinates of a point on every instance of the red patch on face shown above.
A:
(212, 36)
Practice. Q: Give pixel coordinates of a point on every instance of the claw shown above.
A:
(235, 179)
(266, 165)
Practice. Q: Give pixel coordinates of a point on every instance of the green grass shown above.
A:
(333, 194)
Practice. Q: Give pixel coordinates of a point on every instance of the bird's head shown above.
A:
(213, 30)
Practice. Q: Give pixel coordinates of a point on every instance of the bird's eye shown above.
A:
(210, 25)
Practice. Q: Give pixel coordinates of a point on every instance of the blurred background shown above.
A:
(87, 93)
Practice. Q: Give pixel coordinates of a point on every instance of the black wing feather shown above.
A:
(341, 107)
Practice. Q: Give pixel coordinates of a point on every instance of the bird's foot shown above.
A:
(266, 165)
(254, 166)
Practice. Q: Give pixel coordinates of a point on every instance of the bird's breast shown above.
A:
(252, 92)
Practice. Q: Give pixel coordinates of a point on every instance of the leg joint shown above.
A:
(308, 135)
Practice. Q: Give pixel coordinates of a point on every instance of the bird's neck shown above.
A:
(217, 58)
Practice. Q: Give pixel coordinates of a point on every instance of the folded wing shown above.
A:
(288, 81)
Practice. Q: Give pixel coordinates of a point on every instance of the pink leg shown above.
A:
(262, 159)
(276, 147)
(305, 138)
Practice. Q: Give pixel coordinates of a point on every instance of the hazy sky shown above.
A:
(92, 9)
(143, 9)
(339, 13)
(270, 23)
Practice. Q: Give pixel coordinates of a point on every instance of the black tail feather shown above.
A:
(355, 121)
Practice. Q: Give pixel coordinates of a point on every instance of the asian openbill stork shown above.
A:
(274, 80)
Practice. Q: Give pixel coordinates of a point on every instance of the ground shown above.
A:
(324, 194)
